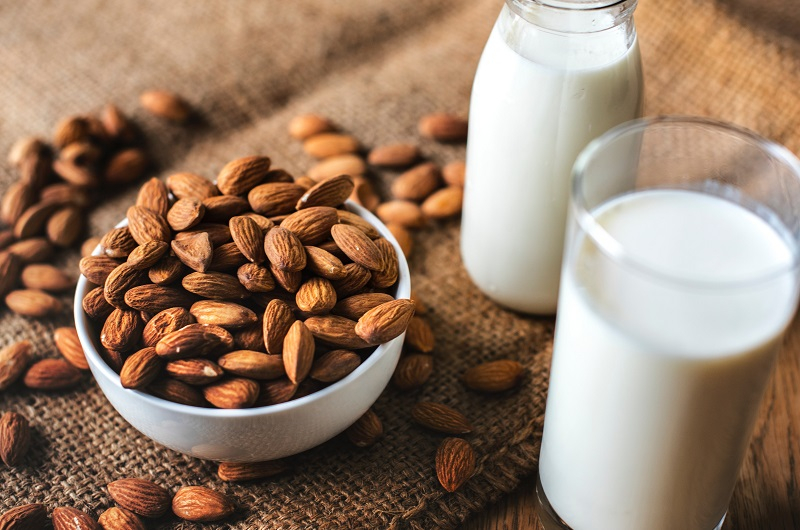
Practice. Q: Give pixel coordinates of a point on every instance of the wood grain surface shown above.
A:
(767, 496)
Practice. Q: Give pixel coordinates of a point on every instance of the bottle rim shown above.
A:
(560, 15)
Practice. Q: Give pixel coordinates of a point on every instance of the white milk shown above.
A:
(647, 427)
(533, 109)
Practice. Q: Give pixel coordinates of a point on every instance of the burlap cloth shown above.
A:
(373, 67)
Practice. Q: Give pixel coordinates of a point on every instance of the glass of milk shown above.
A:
(554, 75)
(680, 277)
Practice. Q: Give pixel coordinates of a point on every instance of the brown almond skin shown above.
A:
(232, 393)
(225, 314)
(441, 418)
(385, 322)
(393, 155)
(177, 392)
(250, 338)
(316, 296)
(227, 257)
(455, 463)
(25, 517)
(66, 518)
(249, 238)
(275, 198)
(288, 280)
(194, 371)
(454, 172)
(46, 278)
(120, 519)
(15, 438)
(145, 256)
(194, 340)
(17, 198)
(32, 303)
(405, 213)
(412, 371)
(494, 376)
(298, 352)
(97, 268)
(252, 364)
(196, 251)
(323, 263)
(330, 192)
(335, 331)
(33, 250)
(390, 273)
(348, 164)
(419, 335)
(364, 194)
(354, 307)
(403, 237)
(14, 359)
(214, 285)
(350, 218)
(239, 176)
(201, 505)
(357, 246)
(96, 306)
(285, 250)
(68, 343)
(10, 266)
(185, 213)
(122, 330)
(166, 104)
(153, 195)
(334, 365)
(141, 369)
(444, 203)
(121, 279)
(164, 323)
(443, 127)
(367, 430)
(33, 220)
(255, 278)
(418, 182)
(221, 209)
(140, 496)
(126, 166)
(146, 225)
(52, 374)
(324, 145)
(278, 318)
(118, 126)
(191, 186)
(244, 471)
(88, 247)
(167, 270)
(307, 125)
(311, 225)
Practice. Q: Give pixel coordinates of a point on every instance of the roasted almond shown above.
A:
(334, 365)
(66, 518)
(118, 242)
(357, 246)
(239, 176)
(15, 438)
(385, 322)
(333, 166)
(112, 358)
(311, 225)
(120, 519)
(46, 278)
(393, 155)
(141, 368)
(323, 263)
(446, 202)
(243, 471)
(195, 371)
(263, 222)
(145, 256)
(25, 517)
(494, 376)
(214, 285)
(355, 278)
(330, 192)
(191, 186)
(232, 393)
(195, 251)
(121, 279)
(69, 345)
(225, 314)
(76, 174)
(354, 307)
(255, 278)
(154, 196)
(418, 182)
(412, 371)
(185, 213)
(249, 238)
(275, 198)
(298, 352)
(142, 497)
(97, 268)
(51, 374)
(252, 364)
(165, 104)
(177, 392)
(14, 359)
(278, 318)
(443, 127)
(404, 213)
(367, 430)
(285, 250)
(441, 418)
(323, 145)
(201, 505)
(454, 172)
(419, 335)
(276, 391)
(126, 166)
(146, 225)
(32, 303)
(316, 296)
(36, 169)
(335, 331)
(455, 463)
(306, 125)
(122, 330)
(193, 340)
(96, 306)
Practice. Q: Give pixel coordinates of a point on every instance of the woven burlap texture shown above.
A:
(374, 68)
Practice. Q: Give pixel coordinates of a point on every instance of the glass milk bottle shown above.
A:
(554, 75)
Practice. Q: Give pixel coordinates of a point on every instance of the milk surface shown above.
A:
(655, 385)
(533, 109)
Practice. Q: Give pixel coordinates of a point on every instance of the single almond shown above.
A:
(298, 352)
(142, 497)
(403, 237)
(193, 340)
(195, 371)
(201, 505)
(64, 194)
(118, 126)
(348, 164)
(227, 257)
(239, 176)
(390, 273)
(154, 196)
(96, 306)
(195, 252)
(354, 307)
(255, 278)
(164, 323)
(165, 104)
(71, 129)
(249, 238)
(288, 280)
(76, 174)
(25, 517)
(306, 125)
(316, 296)
(120, 519)
(276, 391)
(15, 438)
(311, 225)
(191, 186)
(225, 314)
(52, 374)
(323, 145)
(494, 376)
(385, 322)
(146, 225)
(145, 256)
(335, 331)
(419, 335)
(455, 463)
(244, 471)
(32, 250)
(118, 242)
(141, 368)
(155, 298)
(220, 209)
(404, 213)
(352, 219)
(17, 198)
(443, 127)
(34, 219)
(441, 418)
(334, 365)
(36, 169)
(66, 518)
(285, 250)
(393, 155)
(232, 393)
(278, 318)
(23, 148)
(122, 330)
(167, 270)
(121, 279)
(14, 359)
(177, 392)
(330, 192)
(46, 278)
(250, 338)
(412, 371)
(367, 430)
(214, 285)
(418, 182)
(68, 343)
(126, 166)
(357, 246)
(454, 173)
(263, 222)
(97, 268)
(253, 364)
(355, 278)
(185, 213)
(32, 303)
(323, 263)
(444, 203)
(275, 198)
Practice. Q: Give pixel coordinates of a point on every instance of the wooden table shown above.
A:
(767, 496)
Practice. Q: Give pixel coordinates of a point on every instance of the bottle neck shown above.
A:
(574, 16)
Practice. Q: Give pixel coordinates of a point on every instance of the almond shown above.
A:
(10, 265)
(249, 238)
(140, 496)
(118, 126)
(64, 194)
(455, 463)
(69, 345)
(167, 270)
(195, 252)
(243, 471)
(145, 256)
(122, 330)
(494, 376)
(443, 127)
(195, 371)
(126, 166)
(25, 517)
(330, 192)
(214, 285)
(323, 145)
(193, 340)
(255, 278)
(403, 238)
(278, 318)
(191, 186)
(418, 182)
(164, 323)
(354, 307)
(121, 279)
(352, 219)
(276, 391)
(17, 198)
(221, 209)
(81, 153)
(285, 250)
(306, 125)
(97, 268)
(298, 352)
(32, 303)
(146, 225)
(33, 220)
(155, 298)
(323, 263)
(76, 174)
(23, 148)
(66, 518)
(51, 374)
(15, 438)
(96, 306)
(263, 223)
(71, 129)
(243, 174)
(233, 393)
(306, 182)
(393, 155)
(389, 274)
(252, 364)
(316, 296)
(46, 278)
(364, 194)
(367, 430)
(446, 202)
(118, 242)
(201, 505)
(334, 365)
(36, 169)
(6, 238)
(412, 371)
(14, 358)
(32, 250)
(275, 198)
(227, 257)
(288, 280)
(177, 392)
(333, 166)
(385, 322)
(225, 314)
(185, 213)
(404, 213)
(141, 368)
(454, 173)
(120, 519)
(335, 331)
(356, 277)
(165, 104)
(278, 175)
(89, 246)
(419, 335)
(357, 246)
(113, 359)
(250, 338)
(154, 196)
(441, 418)
(311, 225)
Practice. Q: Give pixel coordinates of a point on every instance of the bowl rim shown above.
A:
(83, 326)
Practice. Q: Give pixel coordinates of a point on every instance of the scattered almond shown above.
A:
(32, 303)
(15, 438)
(327, 144)
(52, 374)
(69, 345)
(444, 203)
(140, 496)
(443, 127)
(243, 471)
(14, 359)
(418, 182)
(306, 125)
(494, 376)
(412, 371)
(441, 418)
(166, 104)
(120, 519)
(367, 430)
(66, 518)
(455, 463)
(393, 155)
(201, 505)
(25, 517)
(454, 173)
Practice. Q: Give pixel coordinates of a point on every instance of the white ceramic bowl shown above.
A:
(256, 434)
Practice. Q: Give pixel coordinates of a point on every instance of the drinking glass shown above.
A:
(680, 276)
